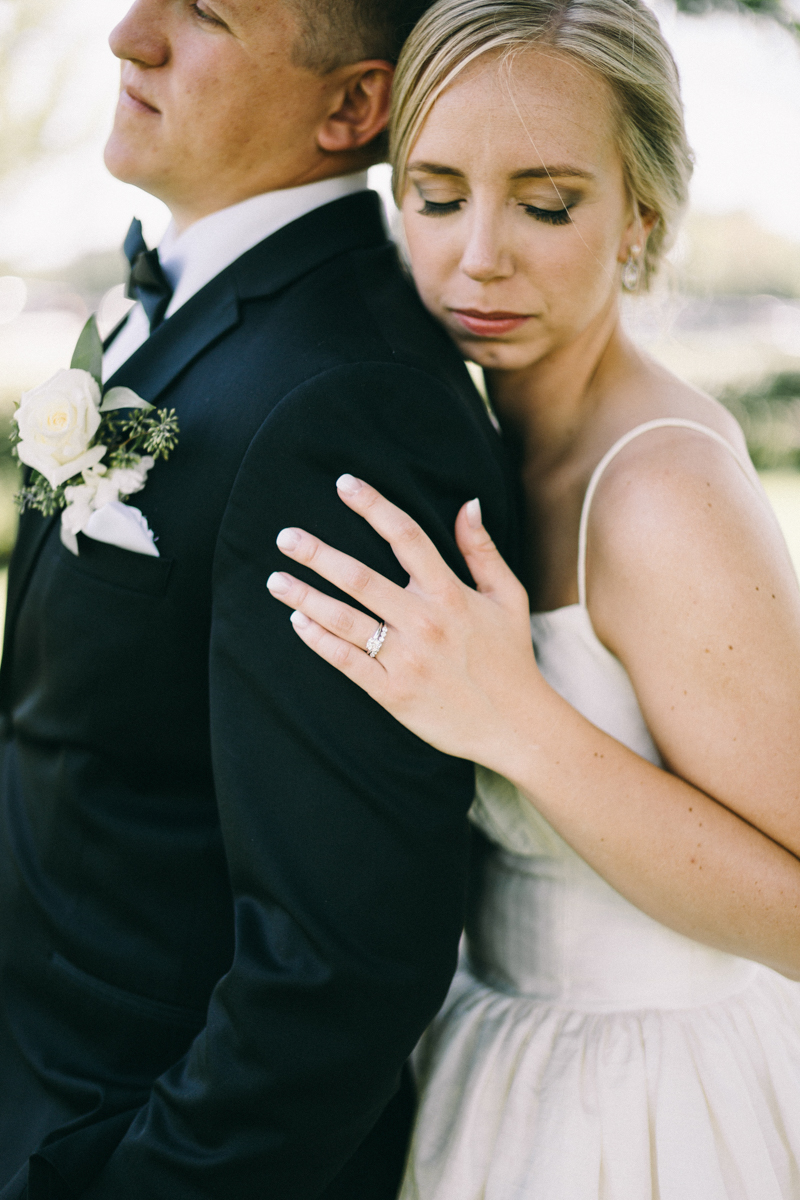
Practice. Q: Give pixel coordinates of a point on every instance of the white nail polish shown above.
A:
(278, 584)
(349, 485)
(288, 539)
(474, 517)
(300, 620)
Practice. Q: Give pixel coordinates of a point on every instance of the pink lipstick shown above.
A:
(489, 324)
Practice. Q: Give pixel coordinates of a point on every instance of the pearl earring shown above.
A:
(630, 272)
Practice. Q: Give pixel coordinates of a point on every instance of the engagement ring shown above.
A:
(376, 641)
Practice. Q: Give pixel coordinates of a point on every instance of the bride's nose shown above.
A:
(486, 254)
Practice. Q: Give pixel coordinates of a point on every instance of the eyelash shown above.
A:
(551, 216)
(431, 209)
(204, 16)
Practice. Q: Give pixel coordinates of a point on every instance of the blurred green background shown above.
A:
(725, 315)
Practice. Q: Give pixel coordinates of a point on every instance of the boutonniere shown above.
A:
(88, 449)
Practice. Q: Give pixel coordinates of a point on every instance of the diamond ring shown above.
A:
(376, 641)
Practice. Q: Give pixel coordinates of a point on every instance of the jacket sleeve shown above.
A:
(345, 835)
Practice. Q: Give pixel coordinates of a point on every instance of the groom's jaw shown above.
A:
(216, 105)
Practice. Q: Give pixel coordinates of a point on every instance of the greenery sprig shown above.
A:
(129, 428)
(40, 495)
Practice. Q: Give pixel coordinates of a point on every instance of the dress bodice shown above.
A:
(546, 924)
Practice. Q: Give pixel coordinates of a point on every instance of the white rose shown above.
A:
(57, 421)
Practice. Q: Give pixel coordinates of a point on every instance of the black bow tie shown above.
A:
(147, 283)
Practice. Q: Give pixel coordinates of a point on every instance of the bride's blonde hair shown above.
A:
(620, 40)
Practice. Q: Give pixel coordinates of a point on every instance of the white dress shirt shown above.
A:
(192, 259)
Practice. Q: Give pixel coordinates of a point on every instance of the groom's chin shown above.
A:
(128, 162)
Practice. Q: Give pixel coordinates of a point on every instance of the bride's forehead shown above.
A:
(534, 103)
(548, 83)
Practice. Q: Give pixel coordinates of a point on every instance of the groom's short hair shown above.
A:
(336, 32)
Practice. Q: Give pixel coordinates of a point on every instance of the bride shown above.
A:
(624, 1023)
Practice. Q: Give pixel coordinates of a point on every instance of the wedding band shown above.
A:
(376, 641)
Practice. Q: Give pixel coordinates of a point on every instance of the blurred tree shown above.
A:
(782, 11)
(769, 414)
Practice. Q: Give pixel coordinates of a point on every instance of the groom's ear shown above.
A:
(359, 108)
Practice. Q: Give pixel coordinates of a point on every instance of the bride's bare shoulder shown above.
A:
(680, 510)
(664, 459)
(690, 585)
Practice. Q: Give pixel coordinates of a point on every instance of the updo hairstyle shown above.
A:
(620, 40)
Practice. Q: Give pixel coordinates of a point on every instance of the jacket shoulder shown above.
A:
(362, 306)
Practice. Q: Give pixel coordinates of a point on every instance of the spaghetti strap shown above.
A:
(661, 423)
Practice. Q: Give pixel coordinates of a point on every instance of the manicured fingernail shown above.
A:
(288, 539)
(300, 620)
(474, 518)
(349, 484)
(279, 584)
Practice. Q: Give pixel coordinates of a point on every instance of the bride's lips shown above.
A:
(131, 98)
(489, 324)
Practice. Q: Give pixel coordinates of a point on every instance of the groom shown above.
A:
(230, 885)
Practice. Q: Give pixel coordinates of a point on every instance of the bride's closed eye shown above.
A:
(553, 216)
(441, 208)
(433, 208)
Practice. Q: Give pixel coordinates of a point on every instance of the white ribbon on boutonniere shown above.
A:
(67, 427)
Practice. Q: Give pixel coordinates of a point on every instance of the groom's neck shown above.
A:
(183, 216)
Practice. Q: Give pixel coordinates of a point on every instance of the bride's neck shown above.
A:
(549, 406)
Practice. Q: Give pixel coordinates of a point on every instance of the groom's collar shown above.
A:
(352, 223)
(192, 259)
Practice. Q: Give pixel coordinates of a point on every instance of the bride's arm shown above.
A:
(692, 589)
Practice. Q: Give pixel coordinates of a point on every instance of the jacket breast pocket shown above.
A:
(120, 568)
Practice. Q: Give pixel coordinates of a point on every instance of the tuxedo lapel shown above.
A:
(115, 332)
(177, 342)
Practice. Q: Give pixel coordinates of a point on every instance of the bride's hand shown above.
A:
(456, 663)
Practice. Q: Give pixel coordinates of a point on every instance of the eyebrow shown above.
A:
(556, 172)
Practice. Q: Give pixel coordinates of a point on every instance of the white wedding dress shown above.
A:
(586, 1052)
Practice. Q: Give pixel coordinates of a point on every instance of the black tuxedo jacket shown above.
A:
(231, 886)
